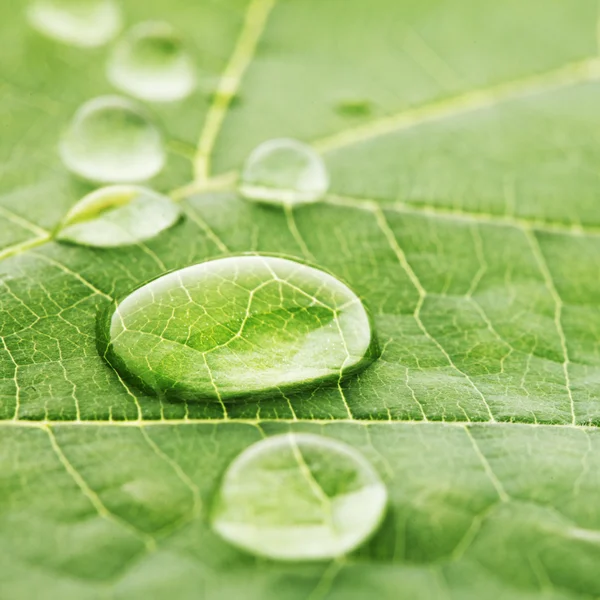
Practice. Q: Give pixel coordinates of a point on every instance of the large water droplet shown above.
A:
(299, 497)
(237, 326)
(111, 140)
(284, 171)
(118, 215)
(78, 22)
(151, 62)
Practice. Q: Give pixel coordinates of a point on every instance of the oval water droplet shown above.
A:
(118, 215)
(87, 23)
(237, 326)
(284, 171)
(152, 63)
(299, 497)
(111, 140)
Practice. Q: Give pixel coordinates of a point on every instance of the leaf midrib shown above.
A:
(143, 423)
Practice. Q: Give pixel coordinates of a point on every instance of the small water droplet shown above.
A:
(237, 326)
(118, 215)
(299, 497)
(111, 140)
(152, 63)
(284, 171)
(87, 23)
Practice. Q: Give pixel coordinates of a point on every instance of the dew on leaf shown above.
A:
(152, 63)
(284, 171)
(299, 497)
(111, 140)
(118, 215)
(86, 23)
(236, 327)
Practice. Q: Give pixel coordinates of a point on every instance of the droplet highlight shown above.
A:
(86, 23)
(118, 215)
(152, 63)
(111, 140)
(299, 497)
(285, 172)
(236, 327)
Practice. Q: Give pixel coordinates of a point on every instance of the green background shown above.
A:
(463, 142)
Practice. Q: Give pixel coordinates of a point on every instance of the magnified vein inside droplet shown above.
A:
(237, 326)
(299, 497)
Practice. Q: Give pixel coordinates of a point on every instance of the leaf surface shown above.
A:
(463, 212)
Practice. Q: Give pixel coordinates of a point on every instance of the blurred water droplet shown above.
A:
(77, 22)
(118, 215)
(299, 496)
(152, 63)
(285, 172)
(111, 140)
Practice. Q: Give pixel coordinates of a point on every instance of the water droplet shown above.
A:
(237, 326)
(118, 215)
(299, 497)
(111, 140)
(284, 171)
(151, 63)
(87, 23)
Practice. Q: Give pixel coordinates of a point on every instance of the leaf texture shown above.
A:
(463, 212)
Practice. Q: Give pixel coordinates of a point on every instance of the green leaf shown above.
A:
(463, 210)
